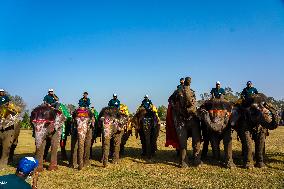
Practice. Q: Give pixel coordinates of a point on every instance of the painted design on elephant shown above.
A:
(82, 126)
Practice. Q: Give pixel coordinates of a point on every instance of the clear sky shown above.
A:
(136, 47)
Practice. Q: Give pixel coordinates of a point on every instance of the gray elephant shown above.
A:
(112, 123)
(47, 123)
(215, 115)
(9, 132)
(252, 118)
(147, 126)
(81, 138)
(186, 122)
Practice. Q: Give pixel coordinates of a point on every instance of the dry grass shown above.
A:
(161, 171)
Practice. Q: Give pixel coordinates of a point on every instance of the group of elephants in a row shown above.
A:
(211, 123)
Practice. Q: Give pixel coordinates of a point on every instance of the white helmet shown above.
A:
(50, 90)
(2, 90)
(114, 95)
(218, 83)
(146, 96)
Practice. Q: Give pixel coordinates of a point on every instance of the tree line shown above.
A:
(162, 110)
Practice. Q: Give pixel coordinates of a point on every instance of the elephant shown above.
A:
(186, 122)
(83, 124)
(9, 132)
(148, 127)
(47, 123)
(215, 115)
(252, 118)
(112, 123)
(66, 130)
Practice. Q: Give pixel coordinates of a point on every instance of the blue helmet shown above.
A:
(27, 165)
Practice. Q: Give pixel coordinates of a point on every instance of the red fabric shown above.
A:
(82, 113)
(171, 135)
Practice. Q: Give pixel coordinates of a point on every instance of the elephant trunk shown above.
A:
(270, 119)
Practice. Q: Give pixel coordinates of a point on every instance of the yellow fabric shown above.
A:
(8, 109)
(124, 109)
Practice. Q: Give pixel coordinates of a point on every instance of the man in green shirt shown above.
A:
(217, 92)
(51, 99)
(18, 180)
(114, 102)
(85, 101)
(248, 91)
(180, 86)
(4, 99)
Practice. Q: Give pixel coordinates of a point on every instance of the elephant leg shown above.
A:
(74, 151)
(155, 134)
(215, 147)
(227, 140)
(47, 147)
(15, 143)
(106, 146)
(196, 141)
(7, 141)
(259, 148)
(124, 139)
(246, 140)
(39, 155)
(182, 137)
(143, 141)
(117, 141)
(205, 147)
(111, 148)
(55, 140)
(88, 142)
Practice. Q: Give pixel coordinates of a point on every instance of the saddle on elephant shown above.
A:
(9, 109)
(218, 107)
(83, 112)
(124, 109)
(171, 134)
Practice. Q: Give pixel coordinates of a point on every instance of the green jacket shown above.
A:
(49, 99)
(248, 91)
(217, 93)
(4, 99)
(12, 181)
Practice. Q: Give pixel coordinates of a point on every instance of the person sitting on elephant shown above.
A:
(181, 85)
(51, 99)
(249, 90)
(217, 92)
(4, 99)
(114, 102)
(25, 168)
(147, 103)
(85, 101)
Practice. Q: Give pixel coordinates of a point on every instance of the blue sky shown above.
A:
(137, 47)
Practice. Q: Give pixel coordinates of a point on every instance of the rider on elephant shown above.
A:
(114, 102)
(180, 86)
(51, 99)
(217, 92)
(85, 101)
(248, 91)
(4, 99)
(147, 103)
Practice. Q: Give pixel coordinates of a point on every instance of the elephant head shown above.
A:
(7, 117)
(258, 111)
(216, 114)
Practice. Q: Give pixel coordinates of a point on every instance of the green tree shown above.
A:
(162, 112)
(25, 123)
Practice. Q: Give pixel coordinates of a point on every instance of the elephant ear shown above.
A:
(270, 119)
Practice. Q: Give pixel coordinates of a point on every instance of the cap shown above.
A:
(146, 96)
(114, 95)
(2, 90)
(50, 90)
(218, 83)
(27, 165)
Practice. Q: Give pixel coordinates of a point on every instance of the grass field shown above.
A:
(162, 170)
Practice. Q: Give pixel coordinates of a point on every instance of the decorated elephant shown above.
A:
(127, 131)
(186, 122)
(252, 118)
(47, 123)
(215, 115)
(147, 125)
(9, 132)
(112, 123)
(81, 137)
(65, 131)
